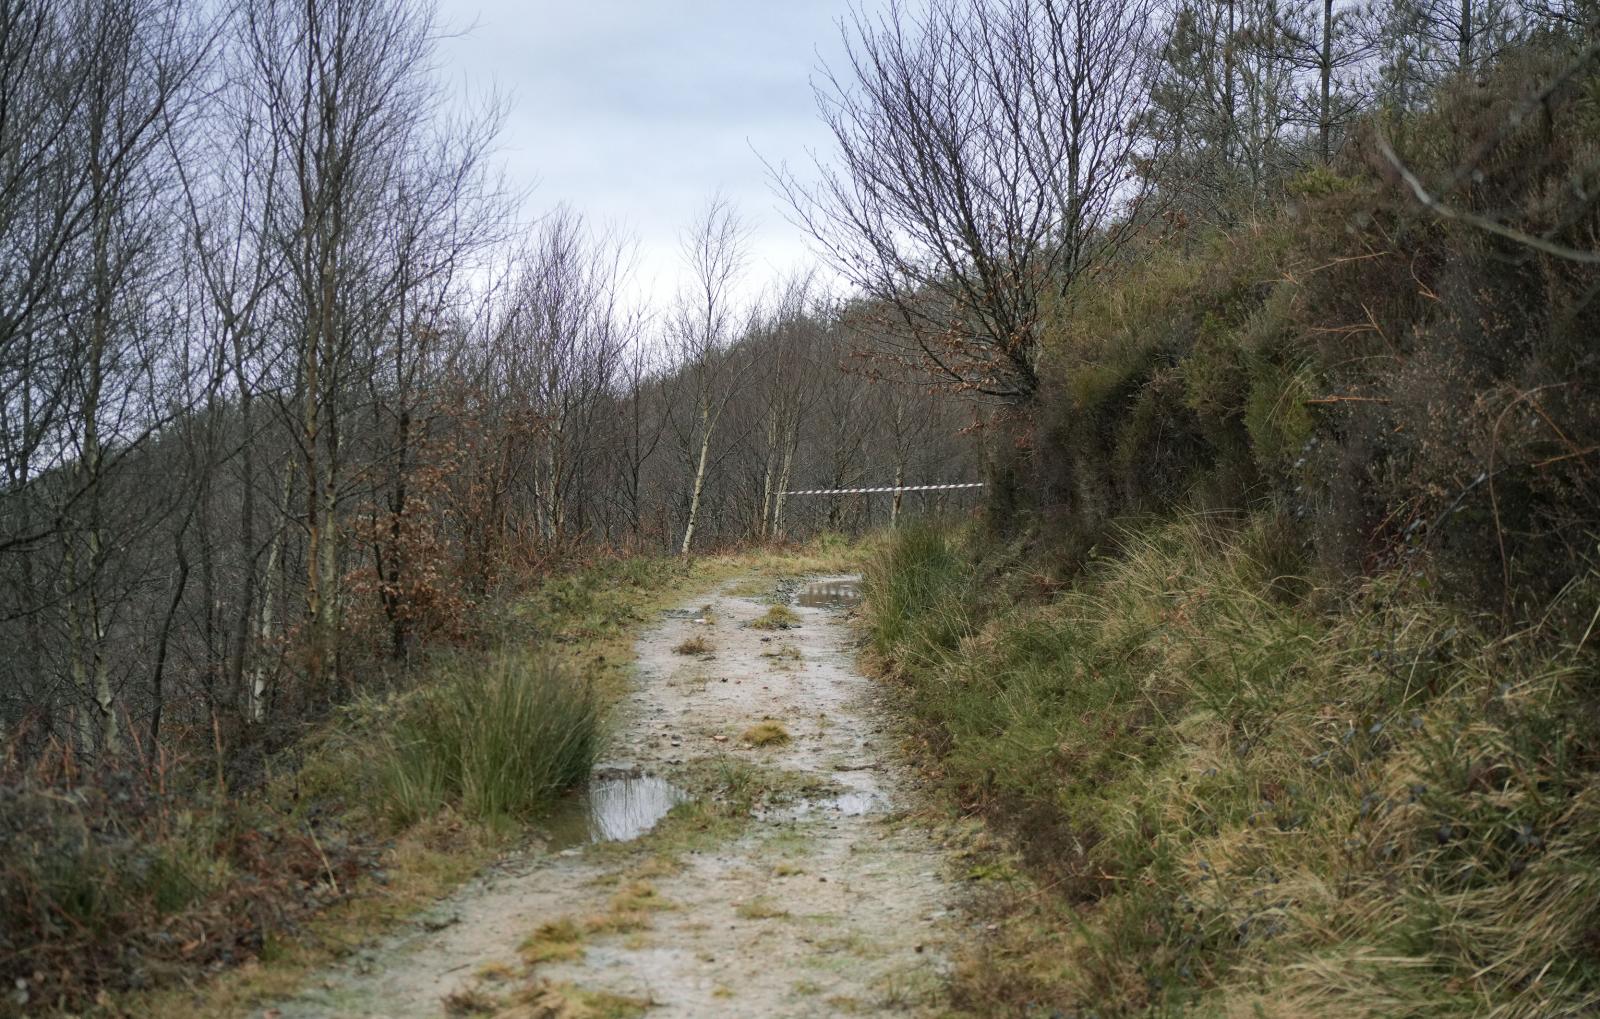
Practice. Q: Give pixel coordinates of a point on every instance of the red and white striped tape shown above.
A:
(891, 488)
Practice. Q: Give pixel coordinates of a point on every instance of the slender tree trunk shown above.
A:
(699, 482)
(1325, 110)
(1230, 113)
(256, 690)
(399, 624)
(894, 505)
(158, 673)
(781, 497)
(310, 441)
(246, 543)
(90, 669)
(769, 471)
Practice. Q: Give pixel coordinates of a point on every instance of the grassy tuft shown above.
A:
(778, 617)
(556, 941)
(760, 908)
(784, 653)
(696, 645)
(638, 897)
(917, 606)
(769, 733)
(497, 742)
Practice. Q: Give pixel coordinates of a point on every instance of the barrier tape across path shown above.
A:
(891, 488)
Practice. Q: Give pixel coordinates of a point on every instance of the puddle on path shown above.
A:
(855, 803)
(830, 594)
(616, 807)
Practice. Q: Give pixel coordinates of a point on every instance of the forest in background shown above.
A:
(292, 401)
(288, 390)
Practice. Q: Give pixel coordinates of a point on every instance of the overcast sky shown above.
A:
(635, 111)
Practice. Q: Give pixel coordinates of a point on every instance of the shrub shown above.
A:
(497, 741)
(110, 880)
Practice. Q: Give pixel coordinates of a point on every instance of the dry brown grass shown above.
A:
(696, 645)
(768, 733)
(778, 617)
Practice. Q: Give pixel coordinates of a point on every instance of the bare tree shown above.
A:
(137, 62)
(641, 422)
(792, 379)
(703, 331)
(985, 166)
(574, 333)
(343, 85)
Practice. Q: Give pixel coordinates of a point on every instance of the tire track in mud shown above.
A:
(816, 896)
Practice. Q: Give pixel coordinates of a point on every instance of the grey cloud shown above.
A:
(634, 112)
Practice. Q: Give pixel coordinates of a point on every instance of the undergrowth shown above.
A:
(1240, 796)
(119, 879)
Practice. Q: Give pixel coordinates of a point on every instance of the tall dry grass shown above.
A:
(1354, 803)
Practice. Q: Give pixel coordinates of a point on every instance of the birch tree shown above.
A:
(704, 325)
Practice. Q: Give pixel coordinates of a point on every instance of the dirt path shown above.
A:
(786, 884)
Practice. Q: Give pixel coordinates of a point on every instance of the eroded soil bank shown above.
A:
(785, 881)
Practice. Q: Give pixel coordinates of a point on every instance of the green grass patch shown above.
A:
(498, 741)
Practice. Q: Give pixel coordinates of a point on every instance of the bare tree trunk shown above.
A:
(1325, 105)
(256, 689)
(699, 482)
(894, 506)
(89, 666)
(768, 472)
(262, 624)
(158, 674)
(781, 497)
(714, 249)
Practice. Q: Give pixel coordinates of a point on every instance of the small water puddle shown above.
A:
(618, 806)
(830, 594)
(854, 803)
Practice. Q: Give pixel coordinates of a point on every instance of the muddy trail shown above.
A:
(744, 852)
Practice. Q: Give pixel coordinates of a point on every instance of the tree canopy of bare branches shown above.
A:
(983, 165)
